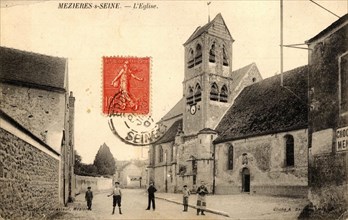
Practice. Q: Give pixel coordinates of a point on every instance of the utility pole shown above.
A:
(281, 43)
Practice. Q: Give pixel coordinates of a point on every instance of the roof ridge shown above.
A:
(33, 53)
(205, 27)
(253, 63)
(278, 75)
(249, 115)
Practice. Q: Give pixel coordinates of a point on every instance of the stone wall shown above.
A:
(29, 179)
(264, 156)
(96, 183)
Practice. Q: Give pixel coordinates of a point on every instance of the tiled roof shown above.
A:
(200, 30)
(266, 107)
(238, 74)
(175, 111)
(32, 69)
(171, 133)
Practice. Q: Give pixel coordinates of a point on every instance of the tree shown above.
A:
(77, 164)
(83, 169)
(104, 161)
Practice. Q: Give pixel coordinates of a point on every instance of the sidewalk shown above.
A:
(245, 206)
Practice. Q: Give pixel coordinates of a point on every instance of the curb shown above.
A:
(194, 207)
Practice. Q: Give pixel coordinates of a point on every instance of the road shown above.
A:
(134, 203)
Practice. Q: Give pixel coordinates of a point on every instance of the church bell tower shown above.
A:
(208, 82)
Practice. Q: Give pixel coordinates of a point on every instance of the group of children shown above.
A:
(116, 195)
(202, 191)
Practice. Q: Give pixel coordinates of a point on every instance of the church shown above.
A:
(232, 129)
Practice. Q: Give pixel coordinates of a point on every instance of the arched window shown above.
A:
(214, 92)
(212, 53)
(289, 150)
(230, 158)
(198, 56)
(190, 62)
(223, 94)
(224, 56)
(198, 93)
(189, 99)
(160, 154)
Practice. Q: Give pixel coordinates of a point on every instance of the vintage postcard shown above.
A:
(173, 109)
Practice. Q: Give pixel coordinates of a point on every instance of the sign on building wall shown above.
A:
(342, 139)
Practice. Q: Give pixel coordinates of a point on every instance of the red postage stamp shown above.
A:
(126, 85)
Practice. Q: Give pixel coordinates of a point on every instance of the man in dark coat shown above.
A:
(89, 198)
(151, 193)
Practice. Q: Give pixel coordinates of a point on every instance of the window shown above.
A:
(254, 79)
(194, 166)
(198, 93)
(214, 92)
(224, 56)
(223, 94)
(165, 156)
(153, 157)
(212, 53)
(290, 156)
(343, 82)
(189, 99)
(190, 62)
(198, 57)
(244, 159)
(172, 153)
(160, 154)
(230, 158)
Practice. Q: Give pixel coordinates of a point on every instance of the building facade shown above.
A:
(184, 155)
(328, 117)
(131, 174)
(262, 143)
(37, 123)
(261, 136)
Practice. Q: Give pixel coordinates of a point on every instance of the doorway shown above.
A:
(245, 180)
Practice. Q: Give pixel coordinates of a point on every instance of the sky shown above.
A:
(84, 36)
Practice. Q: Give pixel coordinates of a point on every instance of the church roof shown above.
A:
(175, 111)
(171, 133)
(238, 74)
(266, 107)
(32, 69)
(200, 30)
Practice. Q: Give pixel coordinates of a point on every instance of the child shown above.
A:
(186, 194)
(89, 198)
(201, 203)
(116, 195)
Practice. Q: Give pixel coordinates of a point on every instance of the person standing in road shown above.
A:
(89, 198)
(151, 194)
(186, 194)
(116, 195)
(201, 203)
